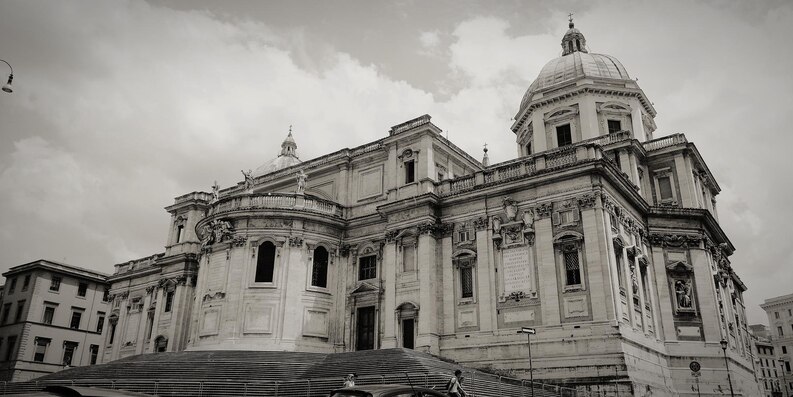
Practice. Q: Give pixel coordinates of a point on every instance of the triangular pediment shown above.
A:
(365, 287)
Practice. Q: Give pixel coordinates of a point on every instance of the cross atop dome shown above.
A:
(573, 40)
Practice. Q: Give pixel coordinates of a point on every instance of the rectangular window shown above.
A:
(410, 171)
(106, 295)
(13, 286)
(49, 313)
(68, 352)
(94, 351)
(6, 312)
(20, 311)
(55, 283)
(367, 267)
(572, 268)
(787, 366)
(26, 283)
(564, 137)
(776, 315)
(467, 282)
(76, 317)
(614, 126)
(169, 301)
(779, 329)
(82, 289)
(665, 188)
(41, 349)
(463, 235)
(100, 322)
(12, 345)
(784, 349)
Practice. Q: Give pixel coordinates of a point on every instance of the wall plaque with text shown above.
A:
(516, 270)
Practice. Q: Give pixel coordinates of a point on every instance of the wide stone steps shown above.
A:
(244, 373)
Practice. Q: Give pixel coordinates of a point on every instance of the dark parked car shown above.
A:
(386, 391)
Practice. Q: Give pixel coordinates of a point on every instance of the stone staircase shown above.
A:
(243, 373)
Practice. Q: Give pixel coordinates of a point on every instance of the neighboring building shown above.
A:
(767, 369)
(602, 237)
(51, 316)
(780, 321)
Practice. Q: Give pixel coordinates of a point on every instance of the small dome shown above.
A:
(575, 63)
(286, 159)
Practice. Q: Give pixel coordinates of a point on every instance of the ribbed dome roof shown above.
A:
(286, 159)
(576, 63)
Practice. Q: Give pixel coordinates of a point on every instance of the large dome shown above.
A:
(576, 63)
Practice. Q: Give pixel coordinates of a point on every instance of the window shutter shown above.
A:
(576, 215)
(556, 220)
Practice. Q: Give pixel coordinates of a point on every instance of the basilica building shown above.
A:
(599, 235)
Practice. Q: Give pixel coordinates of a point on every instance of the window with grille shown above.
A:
(55, 283)
(564, 136)
(614, 126)
(319, 270)
(572, 267)
(367, 267)
(467, 282)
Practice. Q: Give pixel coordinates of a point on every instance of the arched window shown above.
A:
(319, 272)
(265, 263)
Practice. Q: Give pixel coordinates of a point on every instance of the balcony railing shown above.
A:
(665, 141)
(276, 201)
(525, 166)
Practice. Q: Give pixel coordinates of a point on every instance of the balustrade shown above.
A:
(288, 201)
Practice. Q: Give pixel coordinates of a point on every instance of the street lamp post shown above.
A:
(727, 364)
(784, 379)
(8, 88)
(529, 332)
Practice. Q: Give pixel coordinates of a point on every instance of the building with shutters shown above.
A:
(780, 320)
(601, 234)
(51, 317)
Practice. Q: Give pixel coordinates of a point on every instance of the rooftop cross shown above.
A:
(570, 16)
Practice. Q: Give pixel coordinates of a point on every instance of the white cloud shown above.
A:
(430, 39)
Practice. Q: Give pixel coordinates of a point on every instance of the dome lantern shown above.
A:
(573, 40)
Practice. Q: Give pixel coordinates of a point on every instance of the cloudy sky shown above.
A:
(122, 105)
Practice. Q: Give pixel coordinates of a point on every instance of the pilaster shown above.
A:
(389, 276)
(546, 265)
(485, 291)
(427, 338)
(540, 141)
(706, 296)
(447, 283)
(588, 118)
(596, 264)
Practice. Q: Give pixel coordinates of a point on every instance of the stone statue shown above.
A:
(215, 192)
(528, 218)
(496, 225)
(301, 181)
(510, 209)
(683, 293)
(248, 179)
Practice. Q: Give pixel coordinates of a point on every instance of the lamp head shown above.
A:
(8, 88)
(723, 344)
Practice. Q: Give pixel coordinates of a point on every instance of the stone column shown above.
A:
(612, 268)
(706, 297)
(596, 261)
(294, 282)
(664, 299)
(389, 305)
(144, 316)
(548, 286)
(588, 118)
(427, 338)
(447, 283)
(485, 291)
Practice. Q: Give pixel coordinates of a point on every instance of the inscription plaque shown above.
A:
(516, 270)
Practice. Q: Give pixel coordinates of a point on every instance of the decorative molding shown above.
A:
(480, 223)
(295, 241)
(391, 235)
(544, 210)
(675, 240)
(150, 289)
(586, 201)
(216, 231)
(209, 297)
(239, 241)
(344, 250)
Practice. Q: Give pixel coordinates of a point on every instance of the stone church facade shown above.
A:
(600, 236)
